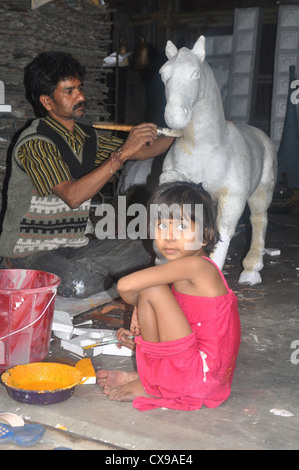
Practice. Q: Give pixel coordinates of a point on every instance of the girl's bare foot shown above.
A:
(126, 392)
(114, 378)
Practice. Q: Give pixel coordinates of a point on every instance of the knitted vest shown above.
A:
(36, 223)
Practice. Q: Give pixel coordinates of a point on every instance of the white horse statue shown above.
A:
(237, 164)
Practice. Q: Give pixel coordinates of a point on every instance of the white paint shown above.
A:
(284, 413)
(205, 365)
(79, 287)
(237, 164)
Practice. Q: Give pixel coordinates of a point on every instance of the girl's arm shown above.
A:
(187, 268)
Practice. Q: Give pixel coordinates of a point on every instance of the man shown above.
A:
(58, 165)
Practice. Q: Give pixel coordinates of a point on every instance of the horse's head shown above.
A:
(184, 80)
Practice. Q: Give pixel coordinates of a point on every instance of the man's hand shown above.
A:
(143, 135)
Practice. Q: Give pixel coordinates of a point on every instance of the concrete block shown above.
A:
(218, 56)
(62, 325)
(4, 108)
(272, 251)
(244, 64)
(113, 350)
(87, 337)
(286, 54)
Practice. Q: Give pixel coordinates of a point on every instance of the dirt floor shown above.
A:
(262, 412)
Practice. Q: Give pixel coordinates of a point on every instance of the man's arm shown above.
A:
(141, 144)
(75, 192)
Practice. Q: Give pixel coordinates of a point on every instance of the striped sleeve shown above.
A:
(42, 162)
(106, 145)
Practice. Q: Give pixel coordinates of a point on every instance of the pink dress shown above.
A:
(198, 369)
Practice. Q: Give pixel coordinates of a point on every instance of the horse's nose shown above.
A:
(176, 115)
(181, 113)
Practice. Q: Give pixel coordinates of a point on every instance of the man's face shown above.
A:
(68, 102)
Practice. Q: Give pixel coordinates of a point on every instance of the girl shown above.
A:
(188, 333)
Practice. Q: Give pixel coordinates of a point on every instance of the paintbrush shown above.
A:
(161, 131)
(104, 343)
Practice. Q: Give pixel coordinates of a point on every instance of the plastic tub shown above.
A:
(27, 300)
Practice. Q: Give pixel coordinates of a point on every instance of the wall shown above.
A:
(58, 25)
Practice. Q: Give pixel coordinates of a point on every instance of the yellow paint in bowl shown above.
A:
(42, 377)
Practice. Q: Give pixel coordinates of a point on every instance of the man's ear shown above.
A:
(46, 101)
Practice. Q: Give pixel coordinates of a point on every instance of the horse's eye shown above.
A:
(195, 75)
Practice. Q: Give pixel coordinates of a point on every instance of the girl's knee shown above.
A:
(154, 298)
(151, 293)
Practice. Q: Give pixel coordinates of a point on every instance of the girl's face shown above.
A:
(177, 238)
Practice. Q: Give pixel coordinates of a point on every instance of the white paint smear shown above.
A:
(285, 413)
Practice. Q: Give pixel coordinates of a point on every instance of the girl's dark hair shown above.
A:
(182, 193)
(42, 75)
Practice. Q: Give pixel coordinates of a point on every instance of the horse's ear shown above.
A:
(199, 48)
(170, 50)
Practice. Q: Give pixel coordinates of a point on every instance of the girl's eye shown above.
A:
(181, 227)
(161, 226)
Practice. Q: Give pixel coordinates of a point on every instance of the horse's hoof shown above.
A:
(250, 277)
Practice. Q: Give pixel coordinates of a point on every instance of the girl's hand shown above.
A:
(123, 335)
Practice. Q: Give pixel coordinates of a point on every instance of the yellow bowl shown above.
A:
(41, 383)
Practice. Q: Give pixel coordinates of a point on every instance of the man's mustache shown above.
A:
(82, 104)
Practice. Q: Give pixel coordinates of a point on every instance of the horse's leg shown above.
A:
(230, 211)
(253, 262)
(220, 252)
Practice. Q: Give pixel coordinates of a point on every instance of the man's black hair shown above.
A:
(45, 71)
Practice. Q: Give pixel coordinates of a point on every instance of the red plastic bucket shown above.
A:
(27, 300)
